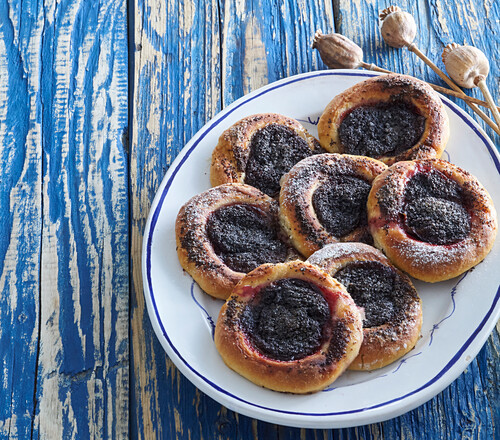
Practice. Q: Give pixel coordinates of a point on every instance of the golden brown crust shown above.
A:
(388, 342)
(306, 375)
(230, 156)
(297, 214)
(194, 249)
(429, 262)
(387, 88)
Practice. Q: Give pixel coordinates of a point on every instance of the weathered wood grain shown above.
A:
(20, 158)
(64, 209)
(176, 89)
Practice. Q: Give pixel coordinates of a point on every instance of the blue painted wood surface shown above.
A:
(64, 248)
(78, 355)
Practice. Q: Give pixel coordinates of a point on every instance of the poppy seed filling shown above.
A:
(244, 237)
(340, 204)
(286, 320)
(274, 150)
(434, 209)
(386, 129)
(377, 288)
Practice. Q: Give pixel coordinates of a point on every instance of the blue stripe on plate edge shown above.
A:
(156, 212)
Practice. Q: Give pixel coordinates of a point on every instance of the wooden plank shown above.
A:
(176, 89)
(21, 170)
(267, 40)
(165, 404)
(64, 253)
(475, 395)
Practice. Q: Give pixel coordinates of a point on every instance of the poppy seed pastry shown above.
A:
(259, 149)
(289, 327)
(227, 231)
(389, 117)
(392, 308)
(432, 219)
(323, 200)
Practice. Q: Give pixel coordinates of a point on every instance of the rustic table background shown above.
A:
(96, 100)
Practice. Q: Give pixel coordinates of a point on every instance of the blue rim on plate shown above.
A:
(158, 204)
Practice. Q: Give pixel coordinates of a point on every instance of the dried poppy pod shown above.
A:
(466, 65)
(469, 67)
(337, 51)
(398, 27)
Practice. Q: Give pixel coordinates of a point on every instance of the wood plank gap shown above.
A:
(39, 308)
(221, 48)
(40, 190)
(131, 90)
(336, 16)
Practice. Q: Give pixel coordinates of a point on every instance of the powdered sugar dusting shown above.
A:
(324, 166)
(340, 250)
(196, 208)
(425, 256)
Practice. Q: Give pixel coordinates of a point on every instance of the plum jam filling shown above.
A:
(286, 320)
(340, 204)
(377, 288)
(274, 150)
(244, 237)
(434, 209)
(386, 129)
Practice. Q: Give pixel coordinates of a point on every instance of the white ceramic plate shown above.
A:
(458, 314)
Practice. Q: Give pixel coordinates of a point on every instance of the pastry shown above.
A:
(392, 308)
(289, 327)
(259, 149)
(227, 231)
(431, 218)
(323, 200)
(389, 117)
